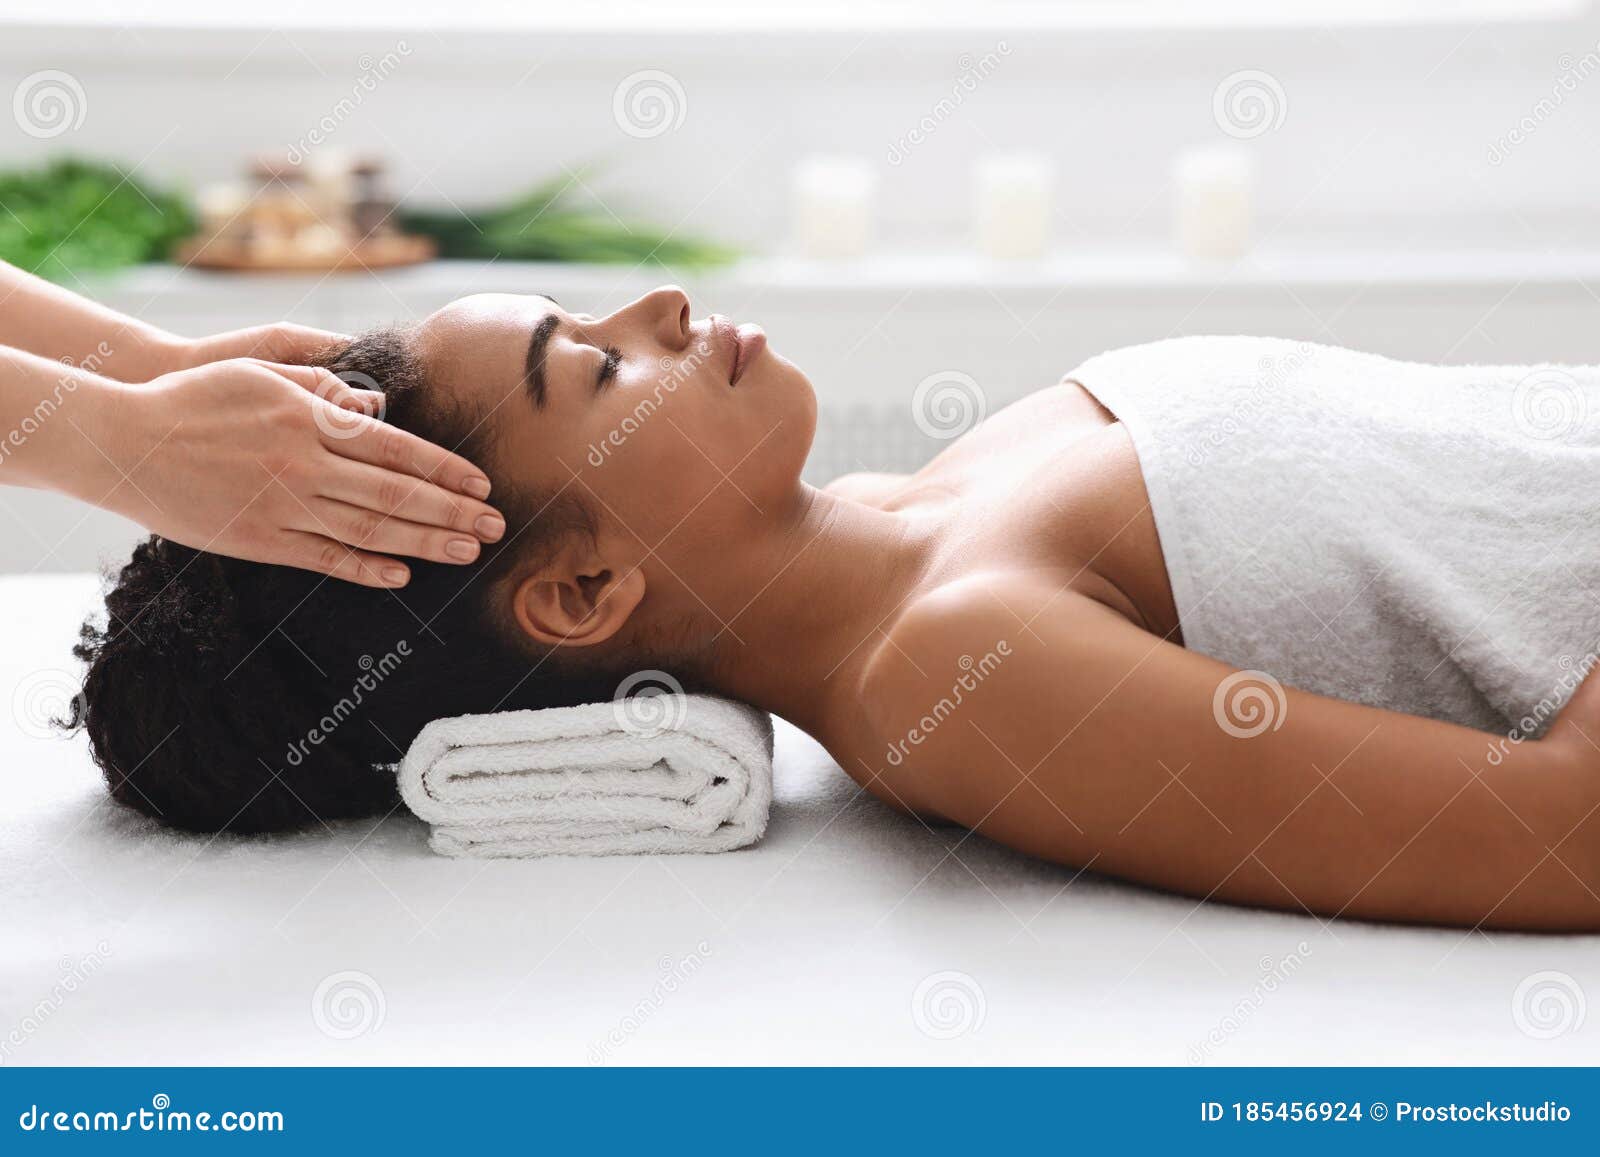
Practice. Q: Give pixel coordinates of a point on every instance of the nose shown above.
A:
(665, 312)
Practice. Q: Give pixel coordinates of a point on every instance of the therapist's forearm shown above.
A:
(54, 323)
(56, 424)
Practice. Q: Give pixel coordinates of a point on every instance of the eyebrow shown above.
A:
(533, 365)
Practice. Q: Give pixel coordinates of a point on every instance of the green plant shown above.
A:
(74, 215)
(557, 221)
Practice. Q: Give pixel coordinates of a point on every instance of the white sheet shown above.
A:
(811, 947)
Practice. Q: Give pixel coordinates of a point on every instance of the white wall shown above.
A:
(1387, 128)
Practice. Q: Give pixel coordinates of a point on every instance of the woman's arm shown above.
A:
(279, 464)
(62, 326)
(54, 419)
(57, 324)
(1095, 743)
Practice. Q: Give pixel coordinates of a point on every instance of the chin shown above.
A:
(796, 403)
(779, 392)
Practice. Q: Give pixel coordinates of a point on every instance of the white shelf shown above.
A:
(1148, 272)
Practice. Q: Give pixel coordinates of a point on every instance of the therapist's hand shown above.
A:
(284, 464)
(279, 342)
(142, 355)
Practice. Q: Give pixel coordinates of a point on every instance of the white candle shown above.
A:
(833, 202)
(1013, 198)
(1215, 206)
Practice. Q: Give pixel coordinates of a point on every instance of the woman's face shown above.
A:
(668, 425)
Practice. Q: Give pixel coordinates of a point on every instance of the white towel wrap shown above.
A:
(1421, 538)
(688, 773)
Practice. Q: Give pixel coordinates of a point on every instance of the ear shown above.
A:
(579, 598)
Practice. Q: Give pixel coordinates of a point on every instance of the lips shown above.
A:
(752, 340)
(743, 345)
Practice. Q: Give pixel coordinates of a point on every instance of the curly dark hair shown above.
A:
(224, 695)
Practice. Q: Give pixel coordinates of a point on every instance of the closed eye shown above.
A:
(608, 368)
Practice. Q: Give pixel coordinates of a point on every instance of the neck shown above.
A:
(822, 589)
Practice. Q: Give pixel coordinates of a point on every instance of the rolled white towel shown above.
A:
(667, 773)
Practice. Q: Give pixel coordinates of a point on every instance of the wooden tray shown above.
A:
(379, 253)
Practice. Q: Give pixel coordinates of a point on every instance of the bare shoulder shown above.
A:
(980, 612)
(958, 666)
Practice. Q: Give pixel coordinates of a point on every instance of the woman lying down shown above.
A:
(1276, 624)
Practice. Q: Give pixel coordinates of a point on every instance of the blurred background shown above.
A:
(918, 201)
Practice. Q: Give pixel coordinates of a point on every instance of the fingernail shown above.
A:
(463, 548)
(395, 576)
(490, 527)
(477, 487)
